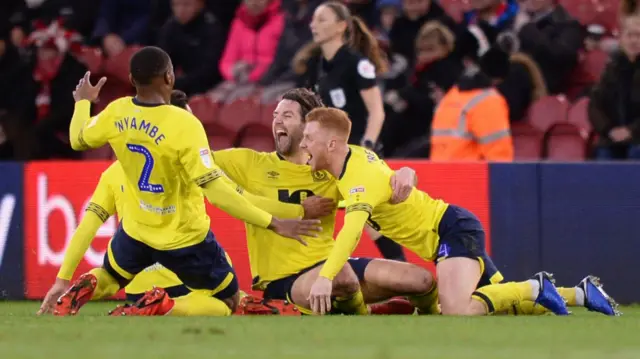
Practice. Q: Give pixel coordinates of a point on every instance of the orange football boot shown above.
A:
(393, 306)
(76, 296)
(154, 302)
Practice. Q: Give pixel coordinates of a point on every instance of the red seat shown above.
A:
(594, 63)
(548, 111)
(266, 114)
(220, 142)
(578, 115)
(238, 114)
(204, 109)
(566, 142)
(118, 66)
(257, 137)
(102, 153)
(111, 91)
(527, 141)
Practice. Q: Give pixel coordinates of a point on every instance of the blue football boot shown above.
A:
(596, 299)
(548, 296)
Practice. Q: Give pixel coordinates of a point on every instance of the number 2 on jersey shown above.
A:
(143, 182)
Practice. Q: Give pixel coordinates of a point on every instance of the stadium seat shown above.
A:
(266, 114)
(578, 115)
(238, 114)
(566, 142)
(548, 111)
(527, 141)
(257, 136)
(204, 109)
(220, 142)
(102, 153)
(118, 66)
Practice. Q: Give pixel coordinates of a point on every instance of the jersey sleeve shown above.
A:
(235, 163)
(100, 208)
(272, 206)
(361, 196)
(365, 74)
(194, 153)
(87, 132)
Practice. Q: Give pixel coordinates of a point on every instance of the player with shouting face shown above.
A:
(451, 236)
(285, 270)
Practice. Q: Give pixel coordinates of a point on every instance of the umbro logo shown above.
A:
(273, 175)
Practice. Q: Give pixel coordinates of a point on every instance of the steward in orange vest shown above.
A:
(471, 122)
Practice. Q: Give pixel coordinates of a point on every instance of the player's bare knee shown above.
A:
(422, 280)
(346, 282)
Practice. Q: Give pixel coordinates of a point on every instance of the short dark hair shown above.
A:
(179, 98)
(307, 99)
(147, 64)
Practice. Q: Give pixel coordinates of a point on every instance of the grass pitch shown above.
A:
(93, 335)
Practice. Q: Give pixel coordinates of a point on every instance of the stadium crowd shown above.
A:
(547, 61)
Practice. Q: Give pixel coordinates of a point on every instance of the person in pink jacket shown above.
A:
(252, 42)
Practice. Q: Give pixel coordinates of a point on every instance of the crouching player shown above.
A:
(284, 270)
(468, 281)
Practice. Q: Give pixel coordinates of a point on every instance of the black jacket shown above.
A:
(615, 100)
(195, 49)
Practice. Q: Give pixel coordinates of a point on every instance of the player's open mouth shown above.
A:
(281, 134)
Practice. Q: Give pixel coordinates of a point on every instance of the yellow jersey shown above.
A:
(365, 186)
(107, 200)
(271, 256)
(165, 156)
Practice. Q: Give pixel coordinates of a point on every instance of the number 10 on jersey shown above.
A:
(143, 182)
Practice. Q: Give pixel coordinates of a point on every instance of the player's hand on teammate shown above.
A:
(296, 228)
(320, 296)
(86, 91)
(317, 207)
(49, 302)
(402, 183)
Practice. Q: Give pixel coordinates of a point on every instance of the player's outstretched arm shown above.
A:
(222, 195)
(84, 94)
(346, 243)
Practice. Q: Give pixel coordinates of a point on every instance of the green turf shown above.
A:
(92, 335)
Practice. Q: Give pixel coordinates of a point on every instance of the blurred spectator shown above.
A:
(194, 39)
(614, 109)
(342, 65)
(14, 18)
(552, 37)
(405, 29)
(389, 11)
(436, 70)
(295, 35)
(628, 7)
(121, 23)
(224, 10)
(367, 10)
(56, 75)
(472, 120)
(15, 99)
(251, 46)
(486, 20)
(77, 15)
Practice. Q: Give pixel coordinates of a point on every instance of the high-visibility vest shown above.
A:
(471, 125)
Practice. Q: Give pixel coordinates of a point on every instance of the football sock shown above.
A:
(390, 249)
(527, 307)
(426, 303)
(199, 304)
(353, 304)
(574, 296)
(502, 297)
(107, 285)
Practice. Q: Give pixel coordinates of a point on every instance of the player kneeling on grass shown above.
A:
(285, 270)
(449, 235)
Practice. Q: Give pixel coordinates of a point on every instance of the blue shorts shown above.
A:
(281, 288)
(202, 266)
(461, 235)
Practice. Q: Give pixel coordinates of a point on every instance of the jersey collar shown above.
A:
(144, 104)
(346, 161)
